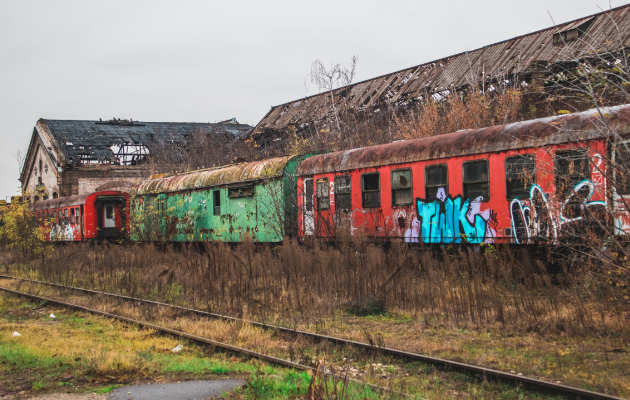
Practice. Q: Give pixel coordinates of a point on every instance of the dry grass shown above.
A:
(498, 309)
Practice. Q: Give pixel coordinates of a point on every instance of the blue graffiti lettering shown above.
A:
(453, 220)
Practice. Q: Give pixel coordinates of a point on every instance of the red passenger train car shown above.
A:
(519, 183)
(93, 216)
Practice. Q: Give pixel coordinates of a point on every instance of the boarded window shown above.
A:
(343, 192)
(371, 190)
(72, 216)
(402, 193)
(622, 169)
(323, 196)
(436, 182)
(520, 175)
(308, 189)
(572, 167)
(241, 191)
(216, 202)
(476, 180)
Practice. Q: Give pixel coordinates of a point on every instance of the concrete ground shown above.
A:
(192, 390)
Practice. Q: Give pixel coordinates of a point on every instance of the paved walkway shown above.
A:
(191, 390)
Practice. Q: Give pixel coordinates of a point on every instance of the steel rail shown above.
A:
(228, 347)
(534, 384)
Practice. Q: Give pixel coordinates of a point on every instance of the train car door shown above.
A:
(309, 212)
(242, 211)
(110, 216)
(621, 188)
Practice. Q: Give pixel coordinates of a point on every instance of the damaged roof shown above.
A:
(122, 142)
(537, 132)
(603, 32)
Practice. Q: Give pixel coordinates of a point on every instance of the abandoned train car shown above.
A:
(518, 183)
(224, 203)
(86, 217)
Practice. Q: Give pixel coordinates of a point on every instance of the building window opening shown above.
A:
(343, 193)
(371, 190)
(55, 195)
(436, 183)
(402, 193)
(216, 202)
(520, 175)
(572, 167)
(323, 194)
(476, 180)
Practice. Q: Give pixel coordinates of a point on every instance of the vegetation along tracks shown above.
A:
(203, 340)
(525, 382)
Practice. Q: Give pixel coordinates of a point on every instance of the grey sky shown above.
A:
(206, 61)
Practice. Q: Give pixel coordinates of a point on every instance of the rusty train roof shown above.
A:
(603, 32)
(225, 175)
(69, 201)
(538, 132)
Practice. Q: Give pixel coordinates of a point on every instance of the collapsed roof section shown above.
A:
(123, 142)
(603, 32)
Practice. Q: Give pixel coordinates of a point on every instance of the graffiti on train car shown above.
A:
(452, 220)
(61, 233)
(533, 217)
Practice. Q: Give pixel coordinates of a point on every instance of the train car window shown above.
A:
(572, 167)
(77, 213)
(323, 194)
(622, 169)
(476, 180)
(371, 190)
(308, 188)
(520, 175)
(65, 216)
(436, 182)
(343, 192)
(216, 202)
(241, 191)
(402, 193)
(72, 216)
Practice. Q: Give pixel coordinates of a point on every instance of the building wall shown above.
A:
(92, 178)
(43, 177)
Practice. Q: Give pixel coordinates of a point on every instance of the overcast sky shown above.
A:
(206, 61)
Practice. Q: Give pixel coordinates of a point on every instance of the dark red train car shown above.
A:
(513, 183)
(93, 216)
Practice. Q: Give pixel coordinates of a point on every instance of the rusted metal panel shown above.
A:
(504, 59)
(538, 132)
(230, 174)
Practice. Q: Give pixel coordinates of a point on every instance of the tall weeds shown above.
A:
(309, 283)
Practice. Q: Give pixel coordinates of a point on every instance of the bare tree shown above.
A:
(336, 76)
(20, 157)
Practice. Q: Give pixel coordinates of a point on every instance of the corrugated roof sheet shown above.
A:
(500, 59)
(538, 132)
(230, 174)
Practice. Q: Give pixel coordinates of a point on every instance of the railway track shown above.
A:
(486, 373)
(199, 339)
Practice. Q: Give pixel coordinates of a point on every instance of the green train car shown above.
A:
(225, 203)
